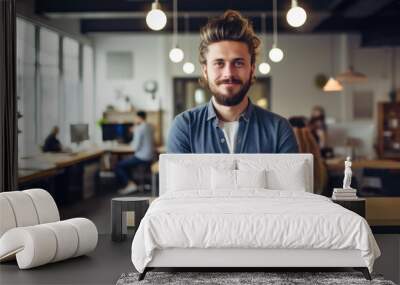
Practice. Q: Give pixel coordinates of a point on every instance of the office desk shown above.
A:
(120, 149)
(67, 176)
(29, 175)
(383, 211)
(337, 164)
(62, 160)
(127, 149)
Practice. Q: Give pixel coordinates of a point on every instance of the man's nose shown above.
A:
(228, 71)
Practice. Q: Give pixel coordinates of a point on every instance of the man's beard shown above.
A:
(231, 99)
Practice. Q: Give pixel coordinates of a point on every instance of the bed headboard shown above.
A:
(286, 161)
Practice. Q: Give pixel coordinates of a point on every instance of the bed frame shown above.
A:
(242, 259)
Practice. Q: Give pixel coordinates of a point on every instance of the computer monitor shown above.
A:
(108, 132)
(116, 131)
(79, 133)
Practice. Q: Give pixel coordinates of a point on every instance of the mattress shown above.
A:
(250, 219)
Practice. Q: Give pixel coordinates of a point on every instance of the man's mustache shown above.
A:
(229, 81)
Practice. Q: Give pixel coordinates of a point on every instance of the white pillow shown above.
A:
(193, 176)
(280, 174)
(251, 178)
(223, 179)
(293, 179)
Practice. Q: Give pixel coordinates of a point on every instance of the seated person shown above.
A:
(318, 128)
(317, 125)
(52, 144)
(143, 145)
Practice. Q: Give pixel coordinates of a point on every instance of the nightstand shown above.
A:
(356, 205)
(119, 207)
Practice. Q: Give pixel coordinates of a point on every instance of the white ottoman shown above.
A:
(31, 232)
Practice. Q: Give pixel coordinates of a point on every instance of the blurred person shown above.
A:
(143, 145)
(317, 126)
(52, 144)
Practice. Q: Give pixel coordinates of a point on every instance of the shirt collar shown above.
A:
(245, 115)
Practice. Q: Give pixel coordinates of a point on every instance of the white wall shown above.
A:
(148, 64)
(293, 88)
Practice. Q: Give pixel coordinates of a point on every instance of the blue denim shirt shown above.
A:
(260, 131)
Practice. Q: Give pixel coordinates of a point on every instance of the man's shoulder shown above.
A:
(268, 115)
(193, 113)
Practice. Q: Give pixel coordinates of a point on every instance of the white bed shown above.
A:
(247, 210)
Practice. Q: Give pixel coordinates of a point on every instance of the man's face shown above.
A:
(228, 71)
(137, 120)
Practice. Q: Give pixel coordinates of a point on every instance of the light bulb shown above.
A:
(176, 55)
(296, 16)
(188, 68)
(264, 68)
(276, 54)
(156, 18)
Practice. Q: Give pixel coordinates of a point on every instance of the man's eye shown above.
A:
(219, 63)
(239, 63)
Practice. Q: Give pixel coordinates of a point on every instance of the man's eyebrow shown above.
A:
(221, 59)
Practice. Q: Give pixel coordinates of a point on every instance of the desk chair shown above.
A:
(307, 144)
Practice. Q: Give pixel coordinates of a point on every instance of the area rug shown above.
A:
(242, 278)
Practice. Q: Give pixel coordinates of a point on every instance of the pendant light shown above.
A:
(176, 54)
(296, 16)
(351, 76)
(332, 85)
(188, 66)
(275, 54)
(156, 18)
(263, 67)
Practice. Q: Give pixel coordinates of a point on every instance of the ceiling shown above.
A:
(378, 21)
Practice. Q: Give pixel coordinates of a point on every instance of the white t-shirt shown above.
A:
(230, 130)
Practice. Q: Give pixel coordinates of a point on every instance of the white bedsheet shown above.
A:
(252, 218)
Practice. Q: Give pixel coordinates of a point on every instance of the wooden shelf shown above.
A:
(389, 130)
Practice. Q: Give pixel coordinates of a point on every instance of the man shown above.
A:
(52, 144)
(229, 123)
(143, 145)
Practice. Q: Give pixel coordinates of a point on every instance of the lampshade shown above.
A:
(351, 76)
(332, 85)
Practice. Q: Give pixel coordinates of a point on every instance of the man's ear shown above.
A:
(204, 70)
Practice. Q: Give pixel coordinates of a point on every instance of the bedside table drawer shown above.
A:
(357, 206)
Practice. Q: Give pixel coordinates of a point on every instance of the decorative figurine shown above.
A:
(347, 173)
(345, 193)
